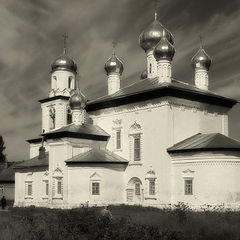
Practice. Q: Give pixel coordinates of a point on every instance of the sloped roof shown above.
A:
(7, 175)
(97, 156)
(150, 88)
(206, 142)
(86, 131)
(34, 162)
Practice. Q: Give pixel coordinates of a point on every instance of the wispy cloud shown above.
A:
(31, 40)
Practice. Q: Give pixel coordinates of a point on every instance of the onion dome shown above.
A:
(149, 38)
(164, 50)
(64, 62)
(144, 74)
(77, 101)
(113, 64)
(201, 60)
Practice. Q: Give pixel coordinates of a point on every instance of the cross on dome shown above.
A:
(65, 37)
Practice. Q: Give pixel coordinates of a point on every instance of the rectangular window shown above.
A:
(188, 186)
(1, 189)
(137, 150)
(151, 187)
(47, 188)
(95, 188)
(137, 189)
(29, 189)
(59, 187)
(118, 139)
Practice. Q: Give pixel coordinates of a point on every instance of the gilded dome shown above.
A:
(113, 65)
(64, 62)
(201, 60)
(164, 49)
(149, 38)
(143, 74)
(77, 101)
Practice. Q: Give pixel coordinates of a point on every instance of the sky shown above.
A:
(31, 39)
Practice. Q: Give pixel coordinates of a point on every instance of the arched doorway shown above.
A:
(134, 191)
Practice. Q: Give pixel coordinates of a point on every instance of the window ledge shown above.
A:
(118, 150)
(135, 163)
(28, 197)
(45, 198)
(150, 198)
(56, 197)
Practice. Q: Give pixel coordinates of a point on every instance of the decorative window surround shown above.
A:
(188, 176)
(117, 139)
(58, 184)
(151, 185)
(45, 185)
(136, 144)
(95, 184)
(29, 186)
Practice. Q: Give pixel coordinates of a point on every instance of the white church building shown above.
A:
(156, 142)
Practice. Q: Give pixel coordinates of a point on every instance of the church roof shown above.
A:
(206, 142)
(34, 162)
(86, 131)
(97, 156)
(150, 88)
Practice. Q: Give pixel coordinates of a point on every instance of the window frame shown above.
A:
(152, 188)
(28, 184)
(188, 188)
(137, 188)
(95, 191)
(118, 139)
(52, 117)
(137, 157)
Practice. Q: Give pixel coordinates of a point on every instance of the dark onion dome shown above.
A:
(64, 62)
(149, 38)
(164, 50)
(77, 101)
(113, 65)
(144, 74)
(201, 60)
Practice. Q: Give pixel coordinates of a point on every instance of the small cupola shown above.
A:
(164, 53)
(201, 63)
(114, 70)
(77, 103)
(164, 50)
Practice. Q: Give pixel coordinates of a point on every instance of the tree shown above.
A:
(2, 148)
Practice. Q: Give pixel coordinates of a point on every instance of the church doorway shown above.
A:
(134, 191)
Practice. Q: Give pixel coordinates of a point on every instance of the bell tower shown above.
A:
(55, 108)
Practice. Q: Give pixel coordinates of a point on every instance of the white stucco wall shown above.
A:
(164, 122)
(37, 187)
(215, 175)
(80, 177)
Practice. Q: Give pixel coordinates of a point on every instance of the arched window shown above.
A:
(29, 186)
(51, 118)
(70, 82)
(58, 183)
(134, 191)
(69, 116)
(135, 134)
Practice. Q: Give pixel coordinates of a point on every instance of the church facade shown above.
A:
(156, 142)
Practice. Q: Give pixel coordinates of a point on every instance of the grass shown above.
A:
(129, 222)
